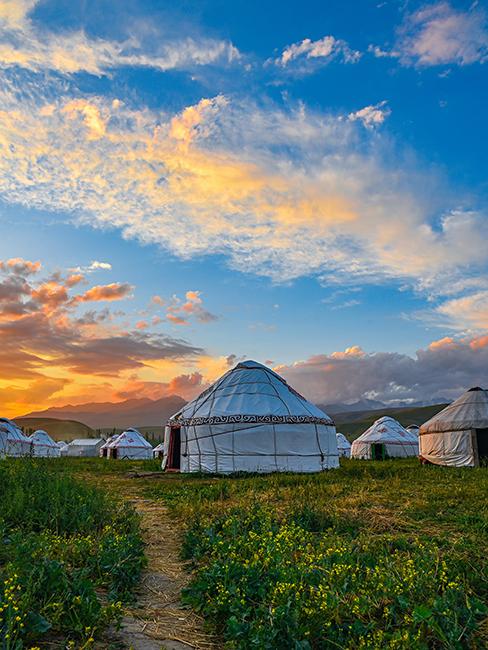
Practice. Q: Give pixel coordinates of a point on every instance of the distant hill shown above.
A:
(58, 429)
(109, 415)
(354, 424)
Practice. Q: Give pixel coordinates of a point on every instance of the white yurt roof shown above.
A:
(41, 437)
(470, 411)
(414, 428)
(159, 447)
(387, 430)
(109, 441)
(14, 433)
(130, 438)
(250, 390)
(342, 441)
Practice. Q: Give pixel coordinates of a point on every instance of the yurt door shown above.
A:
(174, 448)
(378, 451)
(114, 453)
(482, 443)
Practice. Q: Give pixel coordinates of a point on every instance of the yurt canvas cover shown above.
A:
(158, 451)
(106, 445)
(343, 445)
(385, 438)
(250, 420)
(63, 447)
(12, 440)
(413, 428)
(130, 445)
(458, 435)
(85, 447)
(44, 445)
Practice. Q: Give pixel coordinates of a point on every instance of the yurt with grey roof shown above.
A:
(458, 435)
(250, 420)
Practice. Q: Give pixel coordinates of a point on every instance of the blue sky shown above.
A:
(290, 180)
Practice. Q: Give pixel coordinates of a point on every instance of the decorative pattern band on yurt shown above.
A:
(385, 438)
(343, 445)
(12, 440)
(43, 445)
(458, 435)
(250, 420)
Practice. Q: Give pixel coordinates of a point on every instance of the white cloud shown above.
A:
(371, 116)
(28, 45)
(438, 34)
(323, 50)
(442, 371)
(282, 193)
(95, 265)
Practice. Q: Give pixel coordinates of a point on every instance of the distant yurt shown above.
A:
(63, 447)
(130, 445)
(12, 441)
(343, 445)
(106, 445)
(385, 438)
(250, 420)
(413, 428)
(43, 445)
(85, 447)
(158, 451)
(458, 435)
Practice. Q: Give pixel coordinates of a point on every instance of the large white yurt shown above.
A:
(385, 438)
(130, 445)
(458, 435)
(250, 420)
(106, 445)
(13, 441)
(43, 445)
(343, 445)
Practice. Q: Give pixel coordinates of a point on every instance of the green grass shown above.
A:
(374, 555)
(70, 556)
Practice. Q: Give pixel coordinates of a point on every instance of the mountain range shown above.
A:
(130, 413)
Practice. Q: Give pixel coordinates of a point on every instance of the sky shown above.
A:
(185, 185)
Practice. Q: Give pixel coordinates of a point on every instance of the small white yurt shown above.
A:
(12, 441)
(130, 445)
(85, 447)
(63, 447)
(458, 435)
(43, 445)
(343, 445)
(385, 438)
(106, 445)
(158, 451)
(250, 420)
(413, 428)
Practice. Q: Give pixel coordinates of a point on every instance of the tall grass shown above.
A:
(70, 554)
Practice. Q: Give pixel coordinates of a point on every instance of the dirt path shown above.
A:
(158, 620)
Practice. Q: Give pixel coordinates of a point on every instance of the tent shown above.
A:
(385, 438)
(130, 445)
(63, 447)
(85, 447)
(413, 428)
(458, 435)
(158, 451)
(44, 445)
(343, 445)
(106, 445)
(12, 440)
(250, 420)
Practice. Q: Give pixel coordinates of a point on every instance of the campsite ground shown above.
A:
(389, 555)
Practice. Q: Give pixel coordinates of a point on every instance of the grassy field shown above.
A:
(373, 555)
(66, 430)
(70, 556)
